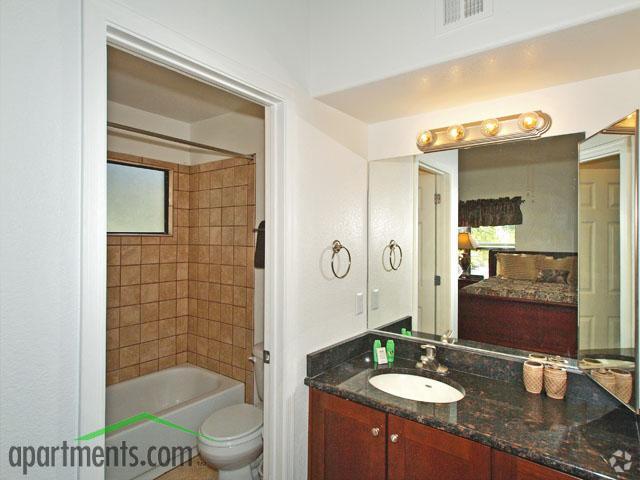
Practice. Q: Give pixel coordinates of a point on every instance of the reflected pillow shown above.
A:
(517, 266)
(550, 275)
(567, 263)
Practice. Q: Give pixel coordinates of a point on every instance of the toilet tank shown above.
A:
(258, 353)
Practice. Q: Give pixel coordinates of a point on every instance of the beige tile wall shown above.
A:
(221, 276)
(187, 297)
(147, 290)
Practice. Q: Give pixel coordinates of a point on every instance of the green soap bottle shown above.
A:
(376, 344)
(391, 350)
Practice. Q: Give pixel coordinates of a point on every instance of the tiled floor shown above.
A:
(198, 470)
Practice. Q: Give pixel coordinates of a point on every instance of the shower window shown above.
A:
(138, 199)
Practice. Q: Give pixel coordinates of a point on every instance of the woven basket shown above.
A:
(555, 382)
(532, 374)
(606, 378)
(623, 384)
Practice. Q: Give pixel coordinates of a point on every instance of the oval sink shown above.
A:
(415, 387)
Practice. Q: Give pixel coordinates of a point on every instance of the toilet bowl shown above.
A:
(230, 439)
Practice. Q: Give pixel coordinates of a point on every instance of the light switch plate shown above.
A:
(375, 299)
(359, 303)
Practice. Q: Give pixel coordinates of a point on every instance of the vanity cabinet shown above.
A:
(419, 452)
(348, 441)
(509, 467)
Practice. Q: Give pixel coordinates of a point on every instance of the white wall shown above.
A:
(544, 173)
(391, 217)
(264, 44)
(576, 107)
(244, 133)
(133, 144)
(357, 42)
(40, 236)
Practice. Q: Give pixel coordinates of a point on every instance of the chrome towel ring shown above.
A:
(336, 247)
(392, 255)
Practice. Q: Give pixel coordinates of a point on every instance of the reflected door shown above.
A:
(599, 254)
(427, 251)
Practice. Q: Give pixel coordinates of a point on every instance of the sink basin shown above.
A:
(415, 387)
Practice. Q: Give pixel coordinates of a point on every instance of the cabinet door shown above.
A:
(509, 467)
(347, 441)
(419, 452)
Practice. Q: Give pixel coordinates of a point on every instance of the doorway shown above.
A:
(434, 306)
(105, 27)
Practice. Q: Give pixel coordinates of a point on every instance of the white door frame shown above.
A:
(115, 25)
(441, 162)
(622, 146)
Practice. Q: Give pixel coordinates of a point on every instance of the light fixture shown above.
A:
(490, 127)
(456, 132)
(528, 121)
(425, 138)
(531, 124)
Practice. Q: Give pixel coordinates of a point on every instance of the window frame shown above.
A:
(493, 246)
(168, 200)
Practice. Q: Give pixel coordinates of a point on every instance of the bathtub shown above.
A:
(185, 395)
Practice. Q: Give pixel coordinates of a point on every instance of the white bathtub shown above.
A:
(185, 395)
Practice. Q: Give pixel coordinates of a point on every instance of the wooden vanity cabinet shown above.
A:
(348, 441)
(510, 467)
(420, 452)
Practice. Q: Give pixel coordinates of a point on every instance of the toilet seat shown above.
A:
(232, 426)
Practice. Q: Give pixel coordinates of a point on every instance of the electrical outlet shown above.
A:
(375, 299)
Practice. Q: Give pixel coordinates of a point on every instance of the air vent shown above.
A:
(454, 14)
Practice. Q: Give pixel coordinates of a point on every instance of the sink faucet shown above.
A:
(429, 362)
(447, 337)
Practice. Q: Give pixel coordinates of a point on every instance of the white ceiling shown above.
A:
(146, 86)
(590, 50)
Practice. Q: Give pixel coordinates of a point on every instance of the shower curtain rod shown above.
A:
(168, 138)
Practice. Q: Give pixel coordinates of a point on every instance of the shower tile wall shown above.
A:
(147, 290)
(187, 297)
(221, 249)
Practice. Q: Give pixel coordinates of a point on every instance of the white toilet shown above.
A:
(232, 441)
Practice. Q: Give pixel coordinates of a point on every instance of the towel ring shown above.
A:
(392, 255)
(336, 247)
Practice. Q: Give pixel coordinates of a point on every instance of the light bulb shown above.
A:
(456, 132)
(528, 121)
(425, 138)
(490, 127)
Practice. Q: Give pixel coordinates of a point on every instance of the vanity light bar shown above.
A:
(491, 130)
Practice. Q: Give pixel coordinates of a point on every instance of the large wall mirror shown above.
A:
(518, 247)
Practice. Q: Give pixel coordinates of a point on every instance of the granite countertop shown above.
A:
(572, 435)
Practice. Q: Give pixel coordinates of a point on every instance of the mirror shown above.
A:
(607, 249)
(517, 247)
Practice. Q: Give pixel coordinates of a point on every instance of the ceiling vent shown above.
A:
(454, 14)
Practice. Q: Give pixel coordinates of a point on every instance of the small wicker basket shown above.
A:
(623, 388)
(606, 378)
(555, 382)
(532, 375)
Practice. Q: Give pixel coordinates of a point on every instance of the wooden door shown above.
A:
(509, 467)
(424, 453)
(347, 441)
(599, 254)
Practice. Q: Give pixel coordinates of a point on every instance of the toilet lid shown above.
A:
(231, 423)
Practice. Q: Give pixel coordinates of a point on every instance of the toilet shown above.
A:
(231, 438)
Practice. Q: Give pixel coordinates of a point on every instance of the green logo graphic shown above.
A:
(135, 419)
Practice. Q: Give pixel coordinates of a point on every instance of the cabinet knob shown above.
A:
(375, 431)
(394, 438)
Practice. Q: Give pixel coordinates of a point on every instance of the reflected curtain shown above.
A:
(490, 212)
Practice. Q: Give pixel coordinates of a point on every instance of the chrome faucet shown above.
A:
(447, 337)
(429, 362)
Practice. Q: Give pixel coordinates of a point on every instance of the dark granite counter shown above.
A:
(577, 435)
